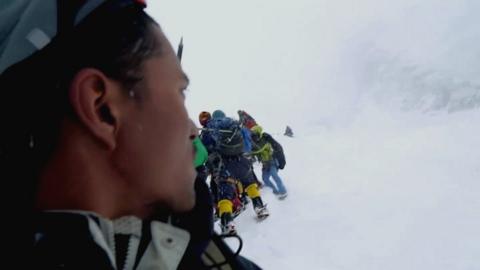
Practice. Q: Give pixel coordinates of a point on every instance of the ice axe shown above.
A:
(180, 50)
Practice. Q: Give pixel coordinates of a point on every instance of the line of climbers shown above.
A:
(233, 147)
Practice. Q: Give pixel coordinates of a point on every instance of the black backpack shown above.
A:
(228, 136)
(277, 150)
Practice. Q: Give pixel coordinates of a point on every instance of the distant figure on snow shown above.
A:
(288, 132)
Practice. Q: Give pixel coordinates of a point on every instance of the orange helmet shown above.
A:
(204, 117)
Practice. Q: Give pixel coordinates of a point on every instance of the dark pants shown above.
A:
(240, 168)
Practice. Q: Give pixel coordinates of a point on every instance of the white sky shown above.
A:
(309, 61)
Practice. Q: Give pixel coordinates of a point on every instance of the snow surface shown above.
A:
(395, 193)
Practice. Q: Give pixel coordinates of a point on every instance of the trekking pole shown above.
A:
(233, 135)
(218, 169)
(180, 50)
(220, 130)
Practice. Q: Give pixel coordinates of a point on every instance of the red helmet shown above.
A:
(204, 117)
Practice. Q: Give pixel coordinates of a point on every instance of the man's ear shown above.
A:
(93, 97)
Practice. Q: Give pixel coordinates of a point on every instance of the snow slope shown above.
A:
(389, 192)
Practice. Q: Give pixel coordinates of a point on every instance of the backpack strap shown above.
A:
(218, 255)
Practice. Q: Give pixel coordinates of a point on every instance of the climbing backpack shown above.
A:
(228, 136)
(246, 119)
(277, 151)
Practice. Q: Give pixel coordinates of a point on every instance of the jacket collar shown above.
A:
(165, 246)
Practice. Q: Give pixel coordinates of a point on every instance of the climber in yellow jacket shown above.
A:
(270, 153)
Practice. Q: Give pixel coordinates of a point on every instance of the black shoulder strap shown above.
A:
(218, 255)
(275, 145)
(271, 140)
(267, 136)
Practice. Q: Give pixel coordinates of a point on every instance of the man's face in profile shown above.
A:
(156, 152)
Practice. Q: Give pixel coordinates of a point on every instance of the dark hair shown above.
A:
(118, 45)
(34, 97)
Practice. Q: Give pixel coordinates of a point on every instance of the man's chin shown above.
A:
(186, 205)
(191, 204)
(178, 206)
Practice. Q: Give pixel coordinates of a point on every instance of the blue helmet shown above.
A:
(218, 114)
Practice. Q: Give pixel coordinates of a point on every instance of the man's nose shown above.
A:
(193, 130)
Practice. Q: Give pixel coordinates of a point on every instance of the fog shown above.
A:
(304, 62)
